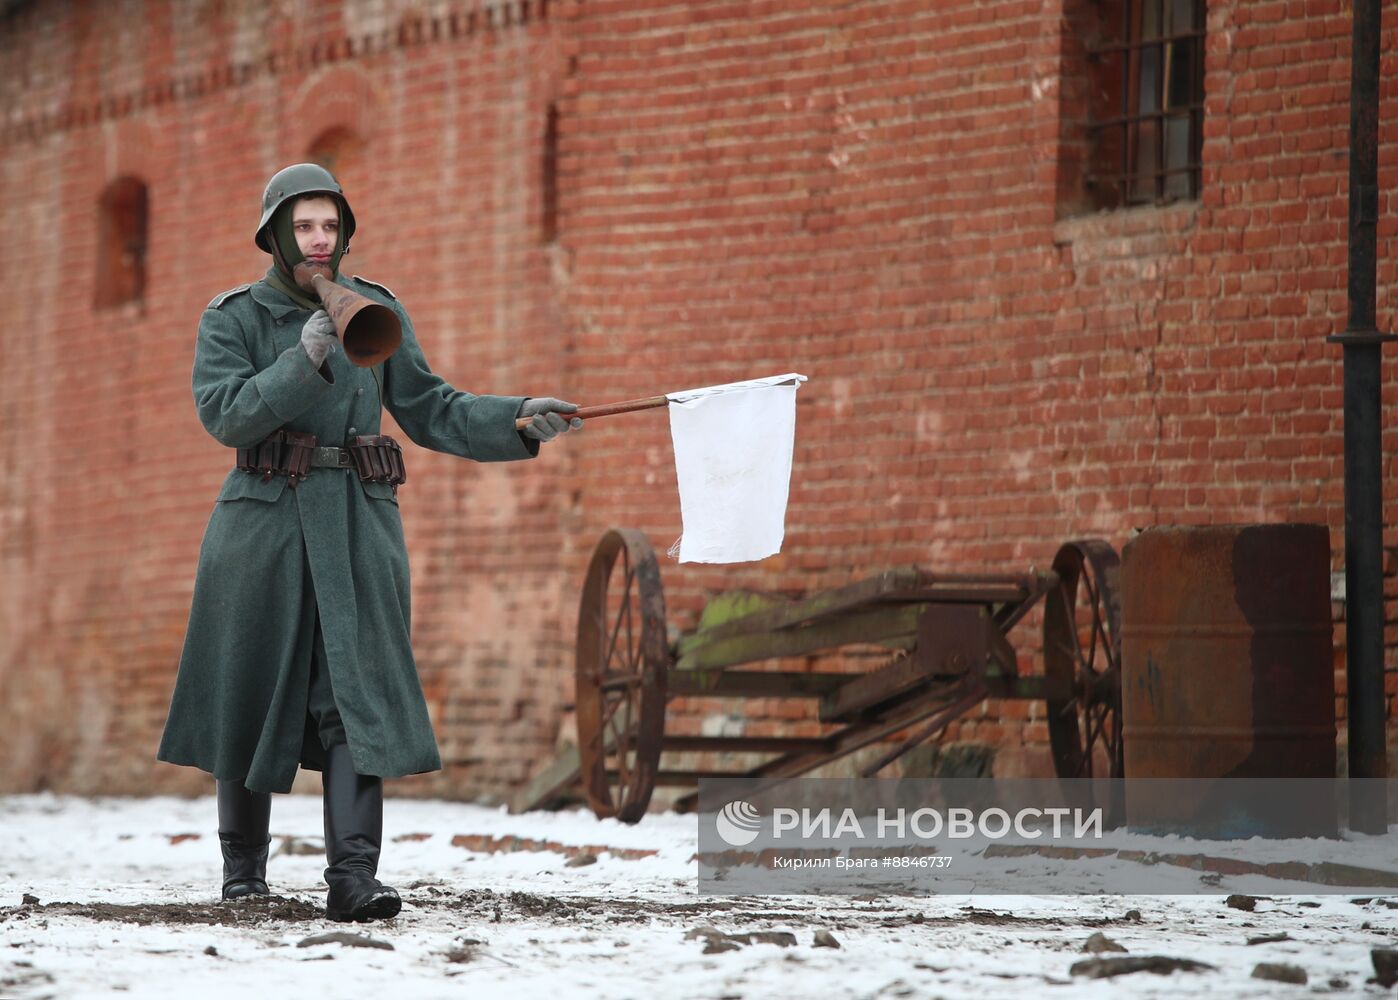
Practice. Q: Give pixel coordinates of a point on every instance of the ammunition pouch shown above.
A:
(379, 459)
(281, 453)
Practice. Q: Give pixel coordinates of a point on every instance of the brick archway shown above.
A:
(338, 101)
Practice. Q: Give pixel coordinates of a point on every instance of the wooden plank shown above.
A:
(788, 613)
(969, 699)
(903, 675)
(950, 591)
(951, 641)
(1037, 584)
(562, 773)
(894, 626)
(683, 778)
(856, 737)
(884, 723)
(1002, 661)
(719, 683)
(732, 605)
(746, 744)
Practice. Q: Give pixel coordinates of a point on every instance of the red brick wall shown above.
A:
(866, 192)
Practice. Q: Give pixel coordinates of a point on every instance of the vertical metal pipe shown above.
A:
(1364, 611)
(1363, 166)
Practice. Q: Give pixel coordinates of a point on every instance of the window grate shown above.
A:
(1147, 133)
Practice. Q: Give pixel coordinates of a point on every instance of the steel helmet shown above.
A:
(294, 181)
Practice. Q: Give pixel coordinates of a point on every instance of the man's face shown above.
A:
(316, 222)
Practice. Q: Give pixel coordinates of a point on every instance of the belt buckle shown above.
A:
(343, 458)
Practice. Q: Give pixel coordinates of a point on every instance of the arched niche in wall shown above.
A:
(334, 113)
(122, 229)
(548, 177)
(341, 151)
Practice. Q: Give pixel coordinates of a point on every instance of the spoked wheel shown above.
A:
(622, 659)
(1082, 655)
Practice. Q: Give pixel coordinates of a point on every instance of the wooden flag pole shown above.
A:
(652, 402)
(603, 410)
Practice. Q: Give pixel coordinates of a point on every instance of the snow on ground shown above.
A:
(128, 905)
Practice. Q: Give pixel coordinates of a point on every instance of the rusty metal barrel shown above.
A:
(1227, 656)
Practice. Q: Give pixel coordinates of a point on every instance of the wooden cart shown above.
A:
(948, 649)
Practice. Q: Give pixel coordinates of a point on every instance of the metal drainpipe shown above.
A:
(1363, 346)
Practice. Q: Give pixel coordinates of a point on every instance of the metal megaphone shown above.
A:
(370, 332)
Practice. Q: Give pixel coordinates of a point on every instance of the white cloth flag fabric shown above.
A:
(733, 446)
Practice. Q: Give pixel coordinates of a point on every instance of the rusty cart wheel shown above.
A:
(622, 660)
(1082, 655)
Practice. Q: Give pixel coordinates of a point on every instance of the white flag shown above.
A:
(733, 446)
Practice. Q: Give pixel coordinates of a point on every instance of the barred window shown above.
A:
(1146, 129)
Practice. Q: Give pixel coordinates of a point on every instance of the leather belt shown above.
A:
(332, 458)
(377, 458)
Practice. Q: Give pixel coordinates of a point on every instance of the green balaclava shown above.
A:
(286, 252)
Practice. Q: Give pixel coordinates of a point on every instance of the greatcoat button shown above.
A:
(359, 392)
(353, 431)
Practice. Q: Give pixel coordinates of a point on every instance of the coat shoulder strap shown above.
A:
(219, 300)
(374, 284)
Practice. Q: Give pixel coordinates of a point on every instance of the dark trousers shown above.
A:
(323, 723)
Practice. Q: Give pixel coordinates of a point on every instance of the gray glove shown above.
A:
(547, 424)
(318, 337)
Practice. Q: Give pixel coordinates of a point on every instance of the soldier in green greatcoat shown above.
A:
(297, 651)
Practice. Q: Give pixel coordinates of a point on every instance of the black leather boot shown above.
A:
(243, 817)
(353, 834)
